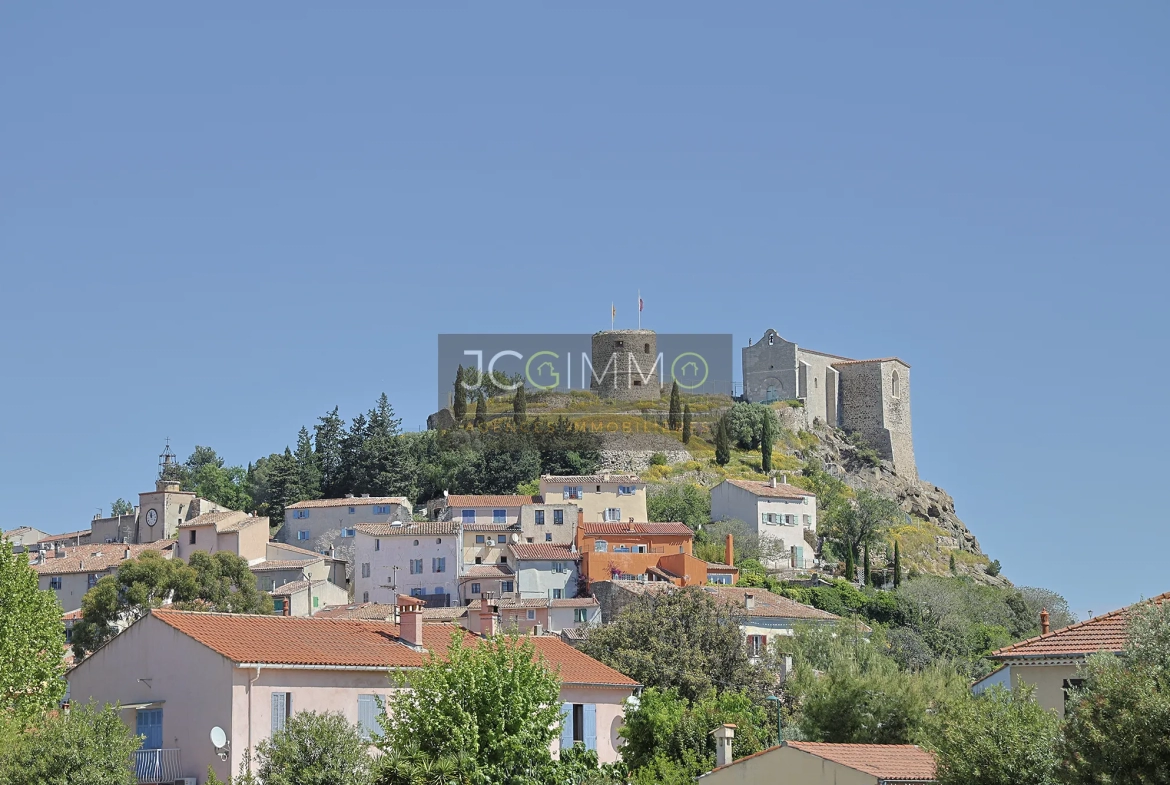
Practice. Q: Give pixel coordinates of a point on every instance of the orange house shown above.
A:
(639, 551)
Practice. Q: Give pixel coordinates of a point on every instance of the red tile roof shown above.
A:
(650, 529)
(408, 529)
(490, 501)
(356, 501)
(488, 571)
(538, 602)
(284, 546)
(490, 526)
(224, 521)
(284, 564)
(571, 479)
(546, 551)
(289, 640)
(96, 558)
(1100, 633)
(765, 489)
(884, 761)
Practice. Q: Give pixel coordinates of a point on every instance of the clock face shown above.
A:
(151, 517)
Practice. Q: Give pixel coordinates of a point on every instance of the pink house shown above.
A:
(179, 674)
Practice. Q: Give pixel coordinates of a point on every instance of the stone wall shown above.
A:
(869, 407)
(625, 365)
(619, 461)
(769, 366)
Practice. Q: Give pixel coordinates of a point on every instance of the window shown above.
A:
(475, 588)
(416, 542)
(281, 710)
(580, 725)
(365, 569)
(538, 517)
(558, 566)
(55, 582)
(381, 509)
(558, 594)
(756, 645)
(621, 549)
(439, 541)
(479, 539)
(503, 560)
(348, 532)
(191, 538)
(149, 725)
(479, 560)
(352, 510)
(600, 546)
(613, 514)
(579, 615)
(531, 615)
(574, 492)
(365, 596)
(438, 564)
(599, 489)
(789, 520)
(368, 711)
(558, 517)
(646, 348)
(377, 545)
(416, 566)
(91, 580)
(807, 521)
(894, 384)
(499, 516)
(300, 513)
(547, 537)
(627, 490)
(418, 592)
(316, 602)
(469, 516)
(278, 606)
(303, 535)
(507, 587)
(618, 344)
(1070, 684)
(720, 578)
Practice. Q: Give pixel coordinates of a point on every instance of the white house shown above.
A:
(546, 571)
(773, 510)
(320, 523)
(421, 559)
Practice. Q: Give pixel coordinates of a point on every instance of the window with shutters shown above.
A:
(757, 645)
(580, 615)
(439, 564)
(580, 725)
(416, 566)
(365, 569)
(368, 711)
(538, 517)
(281, 709)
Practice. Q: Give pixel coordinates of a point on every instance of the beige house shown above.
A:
(239, 533)
(1051, 662)
(601, 497)
(419, 558)
(71, 572)
(774, 510)
(307, 597)
(176, 675)
(321, 523)
(323, 566)
(815, 763)
(23, 537)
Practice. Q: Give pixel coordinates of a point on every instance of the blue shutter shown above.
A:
(799, 557)
(591, 726)
(148, 724)
(279, 710)
(567, 728)
(368, 715)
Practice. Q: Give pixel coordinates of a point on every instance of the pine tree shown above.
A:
(850, 566)
(722, 442)
(686, 434)
(897, 564)
(952, 562)
(459, 405)
(308, 470)
(767, 437)
(328, 435)
(866, 579)
(674, 419)
(480, 410)
(519, 406)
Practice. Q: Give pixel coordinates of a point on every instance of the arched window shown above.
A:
(895, 379)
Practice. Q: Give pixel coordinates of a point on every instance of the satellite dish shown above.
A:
(218, 737)
(515, 538)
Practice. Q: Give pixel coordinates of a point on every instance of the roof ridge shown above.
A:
(1163, 597)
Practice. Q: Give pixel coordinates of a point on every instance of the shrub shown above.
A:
(658, 459)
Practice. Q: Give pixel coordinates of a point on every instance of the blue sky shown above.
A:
(219, 221)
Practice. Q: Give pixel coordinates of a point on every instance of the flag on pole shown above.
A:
(639, 309)
(612, 315)
(640, 304)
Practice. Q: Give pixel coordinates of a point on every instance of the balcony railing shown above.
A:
(157, 766)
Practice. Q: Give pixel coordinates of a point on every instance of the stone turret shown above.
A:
(626, 365)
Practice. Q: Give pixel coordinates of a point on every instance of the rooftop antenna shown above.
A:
(166, 462)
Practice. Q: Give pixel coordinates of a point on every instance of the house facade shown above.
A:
(819, 763)
(321, 523)
(420, 559)
(176, 675)
(471, 509)
(639, 552)
(774, 510)
(546, 571)
(600, 497)
(498, 580)
(307, 597)
(237, 533)
(70, 572)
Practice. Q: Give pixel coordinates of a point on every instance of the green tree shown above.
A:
(897, 564)
(328, 435)
(1002, 737)
(83, 745)
(850, 565)
(121, 507)
(31, 639)
(519, 407)
(315, 749)
(683, 502)
(308, 466)
(768, 426)
(205, 474)
(680, 639)
(495, 701)
(480, 410)
(866, 578)
(1115, 726)
(459, 398)
(686, 424)
(722, 442)
(674, 417)
(853, 526)
(952, 564)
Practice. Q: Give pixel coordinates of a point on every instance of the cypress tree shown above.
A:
(686, 434)
(897, 564)
(480, 410)
(722, 442)
(519, 406)
(674, 419)
(767, 436)
(952, 562)
(850, 566)
(459, 406)
(866, 580)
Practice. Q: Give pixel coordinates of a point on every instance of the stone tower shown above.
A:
(625, 365)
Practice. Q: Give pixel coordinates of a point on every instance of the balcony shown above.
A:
(157, 766)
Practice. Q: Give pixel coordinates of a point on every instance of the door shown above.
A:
(149, 726)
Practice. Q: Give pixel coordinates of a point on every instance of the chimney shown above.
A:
(723, 736)
(489, 622)
(772, 482)
(365, 495)
(126, 553)
(349, 495)
(749, 601)
(1044, 621)
(784, 478)
(410, 624)
(729, 552)
(58, 550)
(580, 516)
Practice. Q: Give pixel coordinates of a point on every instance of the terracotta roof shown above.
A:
(488, 571)
(283, 564)
(1106, 632)
(514, 500)
(546, 551)
(884, 761)
(291, 587)
(443, 614)
(569, 479)
(408, 528)
(72, 615)
(714, 566)
(380, 611)
(67, 536)
(224, 521)
(874, 360)
(284, 546)
(651, 529)
(289, 640)
(767, 604)
(95, 558)
(490, 527)
(511, 604)
(356, 501)
(781, 491)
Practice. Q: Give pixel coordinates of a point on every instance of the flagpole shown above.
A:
(612, 313)
(639, 309)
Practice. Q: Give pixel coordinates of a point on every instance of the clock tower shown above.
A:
(162, 510)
